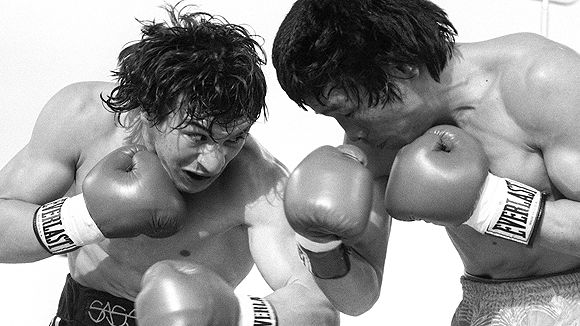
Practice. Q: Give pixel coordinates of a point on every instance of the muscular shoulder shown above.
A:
(530, 55)
(73, 115)
(539, 82)
(77, 103)
(518, 44)
(256, 179)
(545, 64)
(540, 93)
(257, 171)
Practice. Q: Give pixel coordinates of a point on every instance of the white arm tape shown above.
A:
(65, 224)
(507, 209)
(317, 246)
(255, 311)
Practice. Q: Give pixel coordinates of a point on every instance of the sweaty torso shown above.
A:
(215, 233)
(512, 154)
(213, 236)
(505, 121)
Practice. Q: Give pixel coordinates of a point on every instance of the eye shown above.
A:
(238, 139)
(197, 137)
(404, 71)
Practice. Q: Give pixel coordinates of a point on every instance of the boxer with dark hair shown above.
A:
(482, 138)
(157, 174)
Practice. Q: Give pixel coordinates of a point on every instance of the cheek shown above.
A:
(172, 149)
(376, 123)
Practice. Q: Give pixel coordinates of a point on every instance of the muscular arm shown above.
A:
(560, 227)
(357, 292)
(296, 298)
(42, 171)
(553, 87)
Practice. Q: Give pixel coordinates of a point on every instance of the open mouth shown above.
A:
(196, 176)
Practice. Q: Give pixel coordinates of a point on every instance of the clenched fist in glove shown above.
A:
(328, 199)
(176, 293)
(443, 177)
(126, 194)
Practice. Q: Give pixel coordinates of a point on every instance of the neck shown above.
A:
(463, 83)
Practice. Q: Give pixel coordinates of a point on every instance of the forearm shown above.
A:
(559, 229)
(299, 304)
(357, 291)
(17, 239)
(353, 284)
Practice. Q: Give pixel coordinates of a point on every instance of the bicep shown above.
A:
(35, 177)
(44, 169)
(562, 164)
(28, 180)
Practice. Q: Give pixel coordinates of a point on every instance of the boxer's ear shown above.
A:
(403, 70)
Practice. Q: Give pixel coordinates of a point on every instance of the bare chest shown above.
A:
(513, 153)
(215, 239)
(512, 148)
(214, 235)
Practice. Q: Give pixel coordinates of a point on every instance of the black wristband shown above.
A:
(330, 264)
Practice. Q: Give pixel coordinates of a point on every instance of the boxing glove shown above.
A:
(328, 199)
(443, 177)
(126, 194)
(175, 293)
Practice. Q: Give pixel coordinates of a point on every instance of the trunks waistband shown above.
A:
(565, 283)
(86, 306)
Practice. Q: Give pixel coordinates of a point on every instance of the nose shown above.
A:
(211, 159)
(354, 132)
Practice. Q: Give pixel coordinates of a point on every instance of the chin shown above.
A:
(195, 186)
(192, 189)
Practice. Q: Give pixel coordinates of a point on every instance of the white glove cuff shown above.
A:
(78, 222)
(317, 246)
(490, 204)
(507, 209)
(65, 224)
(255, 311)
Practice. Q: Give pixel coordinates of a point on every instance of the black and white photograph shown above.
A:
(290, 162)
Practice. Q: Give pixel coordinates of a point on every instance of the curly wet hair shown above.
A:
(348, 44)
(196, 64)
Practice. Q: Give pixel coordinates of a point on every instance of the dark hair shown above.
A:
(197, 64)
(348, 43)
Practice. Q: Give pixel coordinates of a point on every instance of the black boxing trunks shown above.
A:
(542, 301)
(82, 306)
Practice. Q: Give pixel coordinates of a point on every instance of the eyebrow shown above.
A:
(206, 129)
(198, 125)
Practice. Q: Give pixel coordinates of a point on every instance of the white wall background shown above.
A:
(45, 45)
